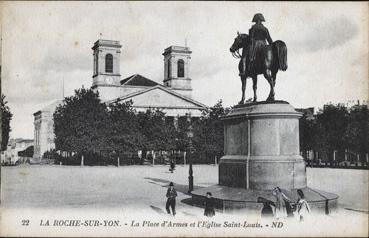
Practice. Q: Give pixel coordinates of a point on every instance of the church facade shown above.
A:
(173, 96)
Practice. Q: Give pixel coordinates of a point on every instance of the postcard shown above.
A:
(184, 119)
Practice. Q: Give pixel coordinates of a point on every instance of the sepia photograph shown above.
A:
(184, 119)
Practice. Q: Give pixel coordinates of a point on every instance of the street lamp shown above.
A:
(190, 149)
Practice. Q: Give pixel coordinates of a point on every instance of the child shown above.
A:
(303, 208)
(209, 205)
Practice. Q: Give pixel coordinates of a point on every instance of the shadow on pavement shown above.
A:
(188, 201)
(179, 187)
(357, 210)
(158, 210)
(189, 214)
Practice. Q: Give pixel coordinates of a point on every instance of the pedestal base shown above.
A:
(261, 147)
(262, 151)
(229, 199)
(262, 172)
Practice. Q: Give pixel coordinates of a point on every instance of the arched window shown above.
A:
(109, 63)
(169, 69)
(180, 69)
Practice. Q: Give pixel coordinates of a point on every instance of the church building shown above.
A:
(173, 96)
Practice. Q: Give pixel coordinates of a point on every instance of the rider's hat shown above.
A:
(258, 17)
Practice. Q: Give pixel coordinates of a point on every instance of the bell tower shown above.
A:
(106, 63)
(177, 69)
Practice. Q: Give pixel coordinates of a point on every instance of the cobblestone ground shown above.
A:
(137, 186)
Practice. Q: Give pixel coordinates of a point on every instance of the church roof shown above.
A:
(138, 80)
(177, 49)
(108, 43)
(165, 89)
(50, 107)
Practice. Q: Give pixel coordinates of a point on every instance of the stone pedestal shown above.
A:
(261, 146)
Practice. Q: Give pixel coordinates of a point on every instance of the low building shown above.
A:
(307, 112)
(10, 155)
(44, 130)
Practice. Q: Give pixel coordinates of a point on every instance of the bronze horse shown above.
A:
(272, 59)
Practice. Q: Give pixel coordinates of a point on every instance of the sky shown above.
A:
(46, 42)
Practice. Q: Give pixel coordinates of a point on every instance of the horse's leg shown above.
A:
(268, 74)
(255, 86)
(241, 68)
(270, 81)
(243, 88)
(274, 78)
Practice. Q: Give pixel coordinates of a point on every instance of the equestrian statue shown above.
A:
(260, 55)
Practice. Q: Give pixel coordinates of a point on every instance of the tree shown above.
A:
(123, 130)
(332, 121)
(209, 133)
(80, 123)
(181, 139)
(6, 117)
(157, 130)
(307, 128)
(356, 132)
(336, 128)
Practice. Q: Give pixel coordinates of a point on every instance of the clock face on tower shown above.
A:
(109, 80)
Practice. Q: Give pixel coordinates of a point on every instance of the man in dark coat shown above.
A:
(209, 205)
(259, 34)
(171, 199)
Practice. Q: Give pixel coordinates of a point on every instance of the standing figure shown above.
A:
(303, 208)
(259, 34)
(209, 205)
(280, 204)
(172, 165)
(171, 199)
(290, 207)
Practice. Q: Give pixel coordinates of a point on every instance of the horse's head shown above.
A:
(239, 42)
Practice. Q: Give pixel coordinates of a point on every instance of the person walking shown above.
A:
(303, 208)
(172, 165)
(280, 204)
(171, 199)
(209, 205)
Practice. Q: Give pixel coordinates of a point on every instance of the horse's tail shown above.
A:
(281, 50)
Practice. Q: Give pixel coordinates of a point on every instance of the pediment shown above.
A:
(160, 97)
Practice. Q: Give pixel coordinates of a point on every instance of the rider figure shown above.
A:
(259, 35)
